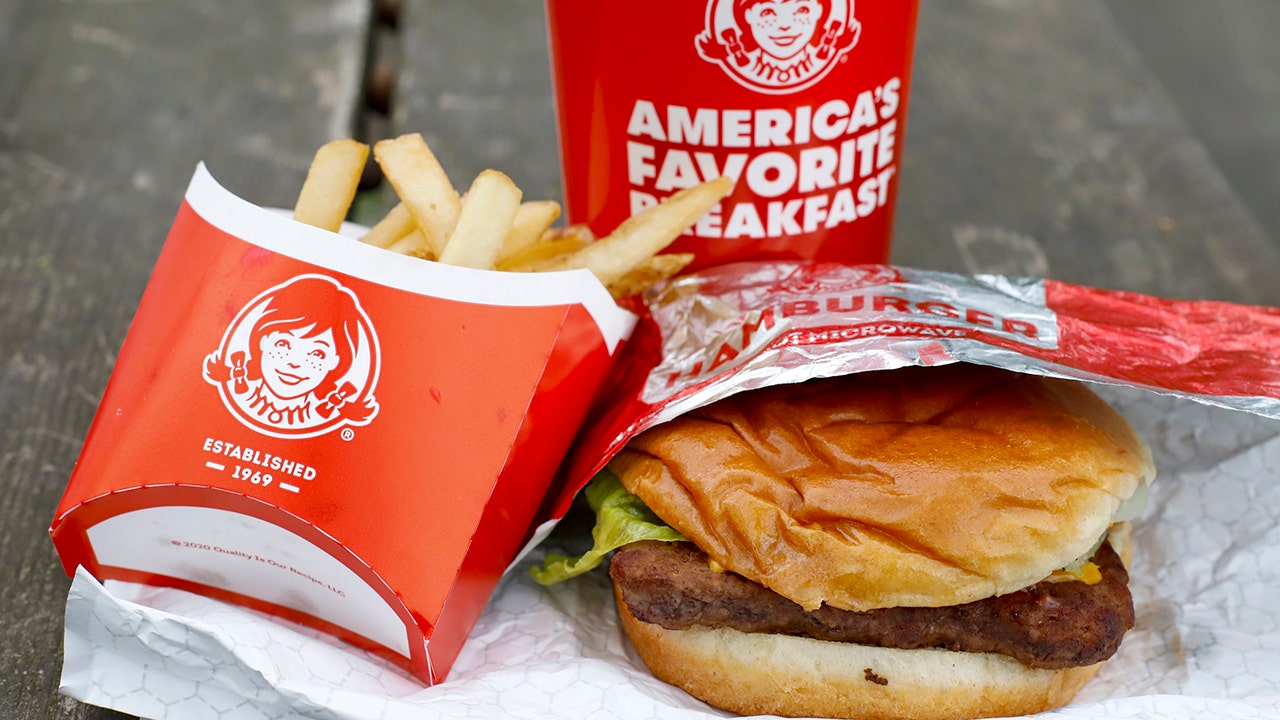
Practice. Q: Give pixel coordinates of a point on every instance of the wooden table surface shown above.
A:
(1038, 144)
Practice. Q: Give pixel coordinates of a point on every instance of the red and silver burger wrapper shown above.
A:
(751, 325)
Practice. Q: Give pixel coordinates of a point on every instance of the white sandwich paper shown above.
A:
(1206, 586)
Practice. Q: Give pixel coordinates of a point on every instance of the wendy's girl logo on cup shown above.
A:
(299, 360)
(777, 47)
(802, 102)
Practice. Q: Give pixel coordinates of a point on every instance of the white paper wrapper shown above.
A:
(1206, 587)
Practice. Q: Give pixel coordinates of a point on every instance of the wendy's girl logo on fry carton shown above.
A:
(299, 360)
(353, 439)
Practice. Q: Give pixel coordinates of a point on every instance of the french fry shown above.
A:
(423, 187)
(415, 244)
(646, 233)
(483, 224)
(490, 227)
(649, 273)
(531, 222)
(396, 224)
(550, 248)
(331, 184)
(579, 232)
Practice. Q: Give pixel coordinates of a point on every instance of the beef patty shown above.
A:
(1047, 625)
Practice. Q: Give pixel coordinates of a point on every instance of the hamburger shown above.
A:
(945, 542)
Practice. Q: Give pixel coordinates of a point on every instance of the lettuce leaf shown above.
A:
(621, 518)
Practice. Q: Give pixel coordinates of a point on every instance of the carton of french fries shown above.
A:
(354, 428)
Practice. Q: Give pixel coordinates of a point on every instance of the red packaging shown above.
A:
(744, 326)
(342, 436)
(802, 102)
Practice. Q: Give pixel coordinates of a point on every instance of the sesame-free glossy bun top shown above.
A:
(911, 487)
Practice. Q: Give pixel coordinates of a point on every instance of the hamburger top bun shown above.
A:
(912, 487)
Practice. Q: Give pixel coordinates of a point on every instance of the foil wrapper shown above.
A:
(750, 325)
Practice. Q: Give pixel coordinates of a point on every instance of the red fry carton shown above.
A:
(348, 438)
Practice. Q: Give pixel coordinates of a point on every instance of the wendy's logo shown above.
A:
(299, 360)
(777, 46)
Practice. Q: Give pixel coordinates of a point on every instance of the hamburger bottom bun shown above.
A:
(760, 673)
(763, 673)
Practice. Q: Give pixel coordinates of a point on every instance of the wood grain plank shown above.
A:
(476, 82)
(105, 109)
(1219, 63)
(1039, 143)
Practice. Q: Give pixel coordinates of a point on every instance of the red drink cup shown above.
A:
(802, 102)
